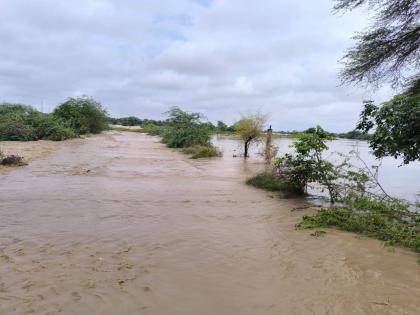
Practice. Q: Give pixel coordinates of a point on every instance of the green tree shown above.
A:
(185, 129)
(396, 127)
(250, 129)
(83, 115)
(387, 53)
(307, 164)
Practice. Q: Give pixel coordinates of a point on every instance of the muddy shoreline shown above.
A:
(119, 224)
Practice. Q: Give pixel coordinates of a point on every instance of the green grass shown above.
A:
(389, 221)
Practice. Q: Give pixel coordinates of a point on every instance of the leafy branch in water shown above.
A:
(361, 203)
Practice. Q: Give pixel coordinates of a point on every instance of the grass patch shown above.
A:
(389, 221)
(200, 151)
(269, 181)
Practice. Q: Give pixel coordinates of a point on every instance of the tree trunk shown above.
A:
(246, 148)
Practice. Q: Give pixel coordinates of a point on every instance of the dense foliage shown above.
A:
(396, 127)
(135, 121)
(354, 134)
(185, 129)
(84, 115)
(223, 128)
(307, 164)
(23, 123)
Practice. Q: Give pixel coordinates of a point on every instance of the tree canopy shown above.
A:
(389, 50)
(249, 128)
(396, 127)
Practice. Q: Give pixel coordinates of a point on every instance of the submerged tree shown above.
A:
(307, 164)
(249, 128)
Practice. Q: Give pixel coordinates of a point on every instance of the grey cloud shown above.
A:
(220, 57)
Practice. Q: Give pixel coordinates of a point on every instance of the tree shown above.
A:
(249, 128)
(83, 115)
(397, 127)
(185, 129)
(386, 53)
(307, 164)
(389, 48)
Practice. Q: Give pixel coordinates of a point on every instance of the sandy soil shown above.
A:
(31, 150)
(119, 224)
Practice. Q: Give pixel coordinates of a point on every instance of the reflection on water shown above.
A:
(402, 181)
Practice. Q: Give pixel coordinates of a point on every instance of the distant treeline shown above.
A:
(354, 134)
(131, 121)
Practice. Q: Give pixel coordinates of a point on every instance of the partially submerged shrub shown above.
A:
(84, 115)
(200, 151)
(389, 221)
(271, 182)
(11, 160)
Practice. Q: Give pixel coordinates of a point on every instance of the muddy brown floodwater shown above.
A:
(119, 224)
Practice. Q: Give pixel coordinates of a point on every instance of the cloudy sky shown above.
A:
(223, 58)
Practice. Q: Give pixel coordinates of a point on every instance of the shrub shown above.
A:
(185, 130)
(24, 123)
(307, 164)
(11, 160)
(271, 182)
(389, 221)
(200, 151)
(154, 130)
(83, 115)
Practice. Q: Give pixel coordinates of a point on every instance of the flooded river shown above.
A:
(119, 224)
(401, 181)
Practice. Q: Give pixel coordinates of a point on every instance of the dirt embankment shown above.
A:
(119, 224)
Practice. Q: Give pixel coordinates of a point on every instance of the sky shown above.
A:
(223, 58)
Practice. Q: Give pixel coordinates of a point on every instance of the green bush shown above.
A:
(154, 130)
(185, 130)
(83, 115)
(24, 123)
(200, 151)
(269, 181)
(389, 221)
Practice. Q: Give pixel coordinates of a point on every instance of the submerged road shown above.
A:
(120, 224)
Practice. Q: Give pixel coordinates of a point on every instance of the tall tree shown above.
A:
(389, 50)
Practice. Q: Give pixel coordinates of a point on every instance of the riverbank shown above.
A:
(32, 150)
(120, 224)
